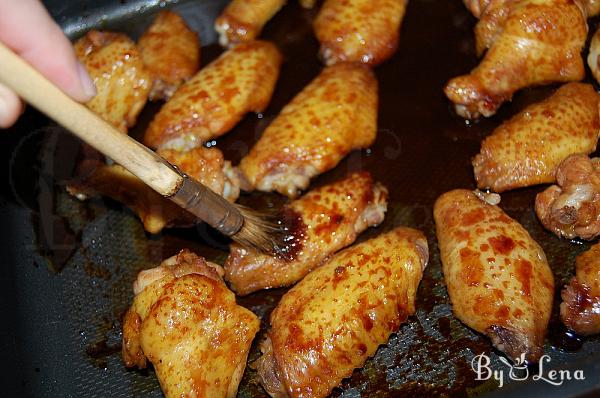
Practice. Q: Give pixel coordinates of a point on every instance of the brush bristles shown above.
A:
(259, 231)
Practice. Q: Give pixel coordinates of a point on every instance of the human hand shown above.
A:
(27, 28)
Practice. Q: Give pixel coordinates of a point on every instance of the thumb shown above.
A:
(43, 44)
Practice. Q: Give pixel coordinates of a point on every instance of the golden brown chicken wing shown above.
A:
(335, 318)
(334, 114)
(572, 209)
(527, 149)
(323, 221)
(364, 31)
(241, 80)
(156, 212)
(171, 52)
(580, 309)
(185, 321)
(528, 42)
(121, 79)
(497, 276)
(243, 20)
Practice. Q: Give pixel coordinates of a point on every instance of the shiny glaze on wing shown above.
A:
(155, 211)
(527, 149)
(580, 309)
(497, 276)
(171, 52)
(335, 318)
(572, 208)
(364, 31)
(334, 114)
(119, 74)
(528, 42)
(186, 322)
(324, 220)
(243, 20)
(208, 105)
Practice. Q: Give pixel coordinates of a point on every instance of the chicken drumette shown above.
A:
(572, 208)
(526, 43)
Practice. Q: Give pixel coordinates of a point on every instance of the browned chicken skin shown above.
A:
(121, 78)
(364, 31)
(156, 212)
(243, 20)
(323, 221)
(186, 322)
(208, 105)
(335, 318)
(497, 276)
(527, 149)
(171, 52)
(334, 114)
(572, 208)
(528, 42)
(580, 309)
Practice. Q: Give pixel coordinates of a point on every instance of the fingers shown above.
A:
(27, 28)
(10, 107)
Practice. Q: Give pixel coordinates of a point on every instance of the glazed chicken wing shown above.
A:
(118, 72)
(322, 222)
(528, 42)
(497, 276)
(580, 309)
(186, 322)
(171, 52)
(334, 114)
(208, 105)
(527, 149)
(156, 212)
(572, 208)
(336, 317)
(364, 31)
(243, 20)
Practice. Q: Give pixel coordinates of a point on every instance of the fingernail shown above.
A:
(3, 113)
(86, 82)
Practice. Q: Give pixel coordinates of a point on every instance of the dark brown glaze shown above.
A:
(330, 218)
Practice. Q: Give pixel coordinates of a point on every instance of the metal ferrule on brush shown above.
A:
(208, 206)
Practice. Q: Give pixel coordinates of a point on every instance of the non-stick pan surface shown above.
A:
(67, 267)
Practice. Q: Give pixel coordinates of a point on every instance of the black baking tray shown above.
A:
(67, 267)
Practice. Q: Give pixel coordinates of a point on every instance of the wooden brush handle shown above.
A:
(35, 89)
(153, 170)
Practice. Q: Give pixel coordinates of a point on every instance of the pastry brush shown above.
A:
(243, 225)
